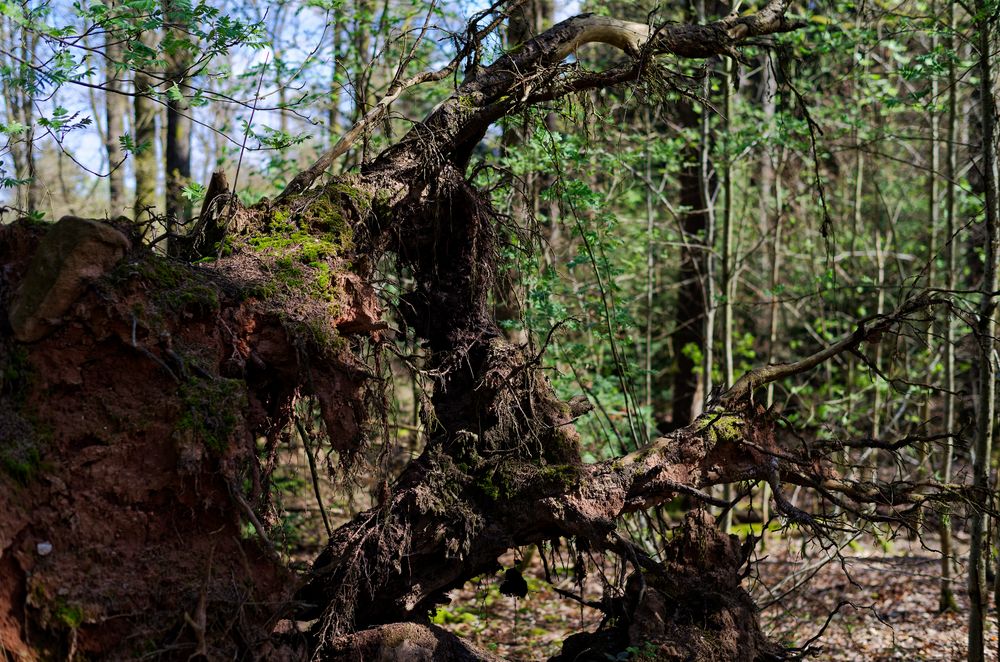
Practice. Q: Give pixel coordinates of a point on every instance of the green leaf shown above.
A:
(13, 128)
(174, 93)
(127, 144)
(193, 192)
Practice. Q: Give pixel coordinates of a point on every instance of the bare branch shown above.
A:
(870, 329)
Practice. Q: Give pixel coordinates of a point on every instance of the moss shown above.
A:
(318, 330)
(322, 275)
(15, 371)
(175, 286)
(20, 461)
(212, 410)
(196, 296)
(22, 443)
(348, 195)
(516, 48)
(489, 489)
(721, 427)
(156, 270)
(382, 203)
(502, 482)
(508, 480)
(71, 616)
(298, 246)
(302, 247)
(562, 476)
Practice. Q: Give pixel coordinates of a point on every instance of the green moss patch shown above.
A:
(212, 410)
(71, 616)
(720, 426)
(175, 287)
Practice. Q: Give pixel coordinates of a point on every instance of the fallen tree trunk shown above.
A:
(217, 354)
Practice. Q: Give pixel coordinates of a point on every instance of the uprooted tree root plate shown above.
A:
(130, 466)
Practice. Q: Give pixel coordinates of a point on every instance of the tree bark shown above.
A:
(144, 165)
(985, 332)
(947, 600)
(115, 108)
(177, 146)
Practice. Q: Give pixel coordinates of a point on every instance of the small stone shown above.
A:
(44, 548)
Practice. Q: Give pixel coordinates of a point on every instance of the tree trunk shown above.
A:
(115, 107)
(728, 256)
(985, 331)
(947, 601)
(177, 145)
(771, 187)
(144, 165)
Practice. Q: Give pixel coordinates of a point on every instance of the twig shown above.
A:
(148, 354)
(315, 476)
(243, 148)
(254, 521)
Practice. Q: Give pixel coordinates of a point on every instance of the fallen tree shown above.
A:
(115, 356)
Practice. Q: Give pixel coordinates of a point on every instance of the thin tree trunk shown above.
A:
(704, 180)
(115, 108)
(947, 601)
(177, 146)
(728, 282)
(986, 327)
(934, 220)
(770, 185)
(691, 312)
(881, 244)
(650, 285)
(144, 165)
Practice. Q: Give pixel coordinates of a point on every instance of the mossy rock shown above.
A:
(72, 254)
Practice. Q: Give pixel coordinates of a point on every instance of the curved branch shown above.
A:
(869, 329)
(694, 41)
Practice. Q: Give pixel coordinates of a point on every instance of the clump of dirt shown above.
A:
(134, 446)
(692, 607)
(404, 642)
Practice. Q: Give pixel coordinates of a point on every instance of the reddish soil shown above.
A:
(134, 442)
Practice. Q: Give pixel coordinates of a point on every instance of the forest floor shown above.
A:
(890, 593)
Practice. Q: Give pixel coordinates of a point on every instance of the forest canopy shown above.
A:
(334, 329)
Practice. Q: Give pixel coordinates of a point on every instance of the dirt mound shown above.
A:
(405, 642)
(134, 448)
(692, 607)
